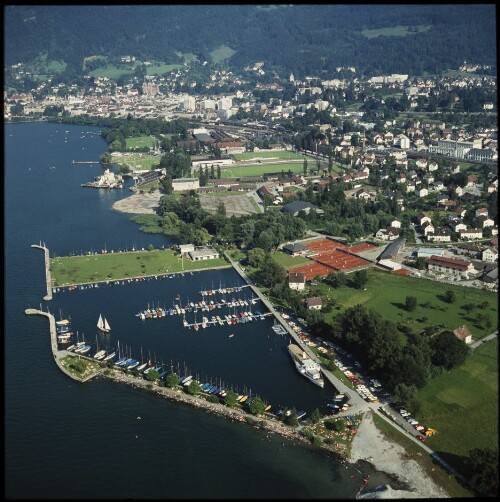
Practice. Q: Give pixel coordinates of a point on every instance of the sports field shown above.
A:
(137, 160)
(139, 142)
(282, 155)
(259, 170)
(68, 270)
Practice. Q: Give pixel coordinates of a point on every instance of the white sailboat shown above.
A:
(103, 325)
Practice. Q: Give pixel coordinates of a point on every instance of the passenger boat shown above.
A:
(103, 325)
(305, 365)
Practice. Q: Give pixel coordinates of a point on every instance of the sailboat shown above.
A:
(103, 325)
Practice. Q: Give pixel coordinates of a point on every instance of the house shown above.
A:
(388, 234)
(490, 255)
(313, 303)
(395, 224)
(428, 228)
(432, 166)
(459, 227)
(424, 218)
(429, 178)
(482, 211)
(471, 233)
(471, 180)
(486, 222)
(297, 280)
(421, 163)
(295, 249)
(186, 248)
(460, 212)
(440, 235)
(422, 192)
(401, 178)
(451, 266)
(203, 253)
(463, 333)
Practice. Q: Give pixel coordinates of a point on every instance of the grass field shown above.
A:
(266, 155)
(386, 293)
(139, 142)
(287, 261)
(394, 31)
(222, 53)
(112, 72)
(462, 405)
(258, 170)
(67, 270)
(137, 160)
(161, 68)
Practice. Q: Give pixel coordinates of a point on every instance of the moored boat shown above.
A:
(305, 365)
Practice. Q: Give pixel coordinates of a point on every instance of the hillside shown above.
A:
(305, 39)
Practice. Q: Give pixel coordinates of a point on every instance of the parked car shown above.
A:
(421, 438)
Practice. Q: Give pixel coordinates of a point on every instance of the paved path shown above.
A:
(485, 339)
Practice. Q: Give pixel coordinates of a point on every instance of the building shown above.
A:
(203, 253)
(392, 249)
(440, 235)
(471, 233)
(299, 205)
(186, 248)
(313, 303)
(456, 149)
(451, 266)
(297, 280)
(181, 184)
(428, 252)
(490, 255)
(463, 333)
(295, 249)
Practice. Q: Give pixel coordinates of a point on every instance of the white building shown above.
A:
(203, 253)
(181, 184)
(490, 255)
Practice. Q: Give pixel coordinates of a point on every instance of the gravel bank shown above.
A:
(137, 203)
(389, 457)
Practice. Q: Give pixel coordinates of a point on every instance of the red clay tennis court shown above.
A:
(313, 270)
(364, 246)
(340, 260)
(322, 245)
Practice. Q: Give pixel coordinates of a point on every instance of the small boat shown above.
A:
(71, 347)
(103, 325)
(142, 367)
(100, 355)
(231, 335)
(110, 356)
(120, 361)
(85, 349)
(268, 407)
(133, 365)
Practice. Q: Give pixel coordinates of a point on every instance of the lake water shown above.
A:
(69, 440)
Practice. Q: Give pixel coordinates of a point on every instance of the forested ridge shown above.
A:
(304, 39)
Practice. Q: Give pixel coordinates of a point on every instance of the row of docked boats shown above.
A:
(63, 331)
(240, 317)
(222, 291)
(176, 309)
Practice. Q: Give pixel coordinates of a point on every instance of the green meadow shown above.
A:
(221, 53)
(462, 405)
(161, 68)
(394, 31)
(137, 160)
(258, 170)
(68, 270)
(266, 155)
(386, 293)
(287, 261)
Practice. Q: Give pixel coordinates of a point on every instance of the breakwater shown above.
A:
(48, 278)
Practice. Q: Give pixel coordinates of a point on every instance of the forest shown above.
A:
(303, 39)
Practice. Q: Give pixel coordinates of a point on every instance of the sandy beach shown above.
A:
(389, 457)
(138, 203)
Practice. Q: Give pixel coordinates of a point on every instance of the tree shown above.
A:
(230, 398)
(291, 418)
(152, 375)
(411, 303)
(304, 167)
(449, 296)
(172, 380)
(448, 350)
(360, 279)
(257, 406)
(483, 464)
(194, 388)
(315, 416)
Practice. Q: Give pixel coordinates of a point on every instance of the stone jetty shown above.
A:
(48, 278)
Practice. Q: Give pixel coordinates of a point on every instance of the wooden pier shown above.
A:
(58, 354)
(48, 278)
(85, 162)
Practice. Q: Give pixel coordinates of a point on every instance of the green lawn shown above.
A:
(161, 68)
(68, 270)
(394, 31)
(266, 155)
(386, 293)
(112, 72)
(462, 405)
(258, 170)
(139, 142)
(287, 261)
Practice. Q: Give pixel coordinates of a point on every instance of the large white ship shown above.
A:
(305, 365)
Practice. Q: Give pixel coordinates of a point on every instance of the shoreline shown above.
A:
(411, 481)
